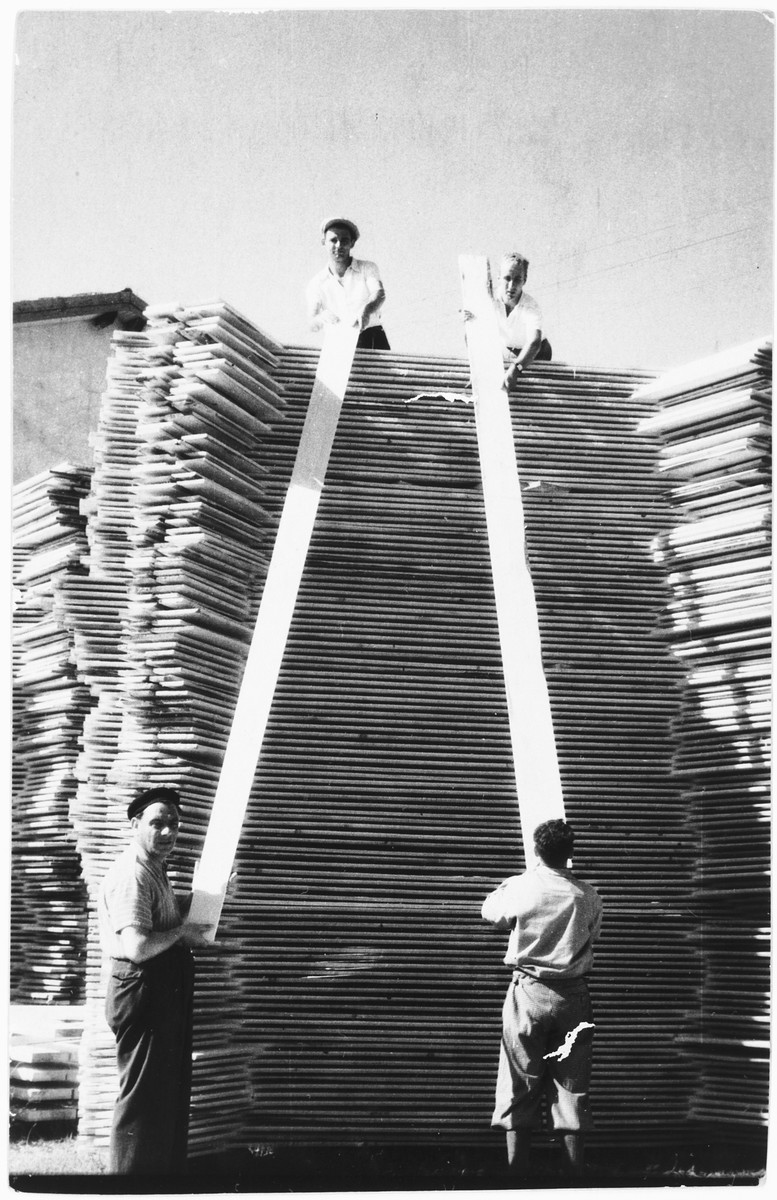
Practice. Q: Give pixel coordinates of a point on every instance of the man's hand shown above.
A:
(193, 936)
(513, 374)
(325, 317)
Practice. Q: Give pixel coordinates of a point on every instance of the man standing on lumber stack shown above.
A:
(519, 318)
(149, 997)
(554, 920)
(348, 289)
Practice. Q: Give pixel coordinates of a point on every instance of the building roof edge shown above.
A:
(81, 305)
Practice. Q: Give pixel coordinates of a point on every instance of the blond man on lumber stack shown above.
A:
(519, 318)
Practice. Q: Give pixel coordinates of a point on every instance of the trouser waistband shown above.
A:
(559, 983)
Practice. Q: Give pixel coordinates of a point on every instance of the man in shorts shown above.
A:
(554, 920)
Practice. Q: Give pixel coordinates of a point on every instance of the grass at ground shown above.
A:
(51, 1155)
(44, 1156)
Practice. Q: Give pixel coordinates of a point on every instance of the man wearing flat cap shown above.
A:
(149, 995)
(348, 289)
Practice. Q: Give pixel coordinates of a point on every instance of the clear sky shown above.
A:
(191, 155)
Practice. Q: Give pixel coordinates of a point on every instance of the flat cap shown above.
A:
(341, 221)
(155, 795)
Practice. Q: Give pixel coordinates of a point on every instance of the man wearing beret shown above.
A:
(347, 289)
(149, 996)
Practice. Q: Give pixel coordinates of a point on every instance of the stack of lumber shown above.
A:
(48, 907)
(714, 424)
(177, 532)
(44, 1063)
(95, 608)
(198, 528)
(355, 993)
(384, 804)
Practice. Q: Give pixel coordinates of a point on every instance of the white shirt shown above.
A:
(519, 327)
(346, 295)
(554, 920)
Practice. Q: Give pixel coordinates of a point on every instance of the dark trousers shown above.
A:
(149, 1008)
(544, 354)
(373, 338)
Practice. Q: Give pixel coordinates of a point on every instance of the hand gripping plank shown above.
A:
(272, 627)
(535, 761)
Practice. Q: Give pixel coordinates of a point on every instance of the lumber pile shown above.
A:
(714, 424)
(44, 1063)
(384, 804)
(97, 610)
(355, 994)
(177, 555)
(48, 903)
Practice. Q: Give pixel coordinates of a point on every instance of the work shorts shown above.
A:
(536, 1018)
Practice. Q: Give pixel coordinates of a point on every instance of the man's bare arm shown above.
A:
(139, 945)
(372, 304)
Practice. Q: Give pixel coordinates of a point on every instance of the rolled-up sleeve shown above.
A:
(497, 908)
(313, 298)
(128, 902)
(533, 317)
(596, 926)
(371, 278)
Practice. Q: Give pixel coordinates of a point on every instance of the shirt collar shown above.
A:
(544, 868)
(151, 864)
(334, 273)
(503, 306)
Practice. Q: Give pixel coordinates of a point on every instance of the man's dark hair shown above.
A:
(554, 841)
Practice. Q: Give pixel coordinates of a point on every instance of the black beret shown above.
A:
(349, 225)
(157, 795)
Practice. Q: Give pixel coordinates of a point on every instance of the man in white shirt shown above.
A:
(347, 289)
(519, 318)
(554, 920)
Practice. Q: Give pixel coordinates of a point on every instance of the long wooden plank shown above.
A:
(272, 627)
(535, 760)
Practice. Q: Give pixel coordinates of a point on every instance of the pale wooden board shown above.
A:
(535, 761)
(272, 627)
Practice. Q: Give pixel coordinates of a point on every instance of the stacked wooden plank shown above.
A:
(356, 994)
(19, 765)
(714, 424)
(177, 532)
(44, 1063)
(384, 804)
(48, 906)
(93, 606)
(96, 604)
